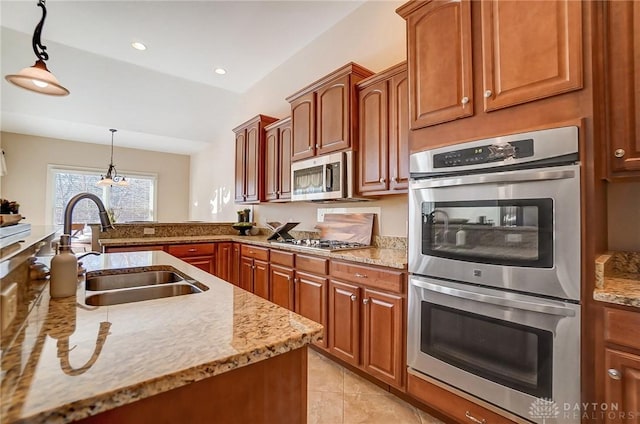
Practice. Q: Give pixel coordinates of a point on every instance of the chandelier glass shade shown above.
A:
(37, 77)
(112, 178)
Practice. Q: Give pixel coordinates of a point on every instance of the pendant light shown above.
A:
(112, 178)
(37, 77)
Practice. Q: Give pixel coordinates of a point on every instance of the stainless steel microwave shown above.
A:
(324, 178)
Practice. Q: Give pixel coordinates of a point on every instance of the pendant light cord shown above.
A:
(112, 132)
(36, 42)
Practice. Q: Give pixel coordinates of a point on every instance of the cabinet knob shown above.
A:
(361, 275)
(353, 297)
(288, 278)
(487, 94)
(394, 179)
(317, 146)
(310, 147)
(464, 100)
(365, 301)
(382, 180)
(619, 153)
(474, 419)
(614, 373)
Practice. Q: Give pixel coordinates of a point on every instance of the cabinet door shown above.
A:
(205, 263)
(311, 300)
(399, 132)
(234, 272)
(223, 260)
(286, 144)
(252, 164)
(246, 274)
(622, 385)
(439, 60)
(303, 119)
(272, 172)
(623, 82)
(240, 166)
(261, 278)
(344, 321)
(373, 113)
(532, 52)
(333, 116)
(382, 339)
(281, 282)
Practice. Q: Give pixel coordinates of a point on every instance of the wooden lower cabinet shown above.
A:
(622, 386)
(224, 256)
(261, 278)
(281, 285)
(311, 300)
(201, 255)
(234, 272)
(344, 321)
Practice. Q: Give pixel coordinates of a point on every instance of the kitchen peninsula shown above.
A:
(222, 354)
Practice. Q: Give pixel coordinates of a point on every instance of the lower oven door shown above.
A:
(508, 349)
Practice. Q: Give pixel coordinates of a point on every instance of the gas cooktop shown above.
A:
(324, 245)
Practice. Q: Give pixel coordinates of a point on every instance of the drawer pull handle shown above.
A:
(353, 297)
(614, 373)
(361, 275)
(365, 301)
(474, 419)
(192, 250)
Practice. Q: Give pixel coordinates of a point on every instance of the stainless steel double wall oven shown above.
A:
(494, 258)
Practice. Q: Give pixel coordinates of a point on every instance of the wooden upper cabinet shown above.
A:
(532, 52)
(622, 70)
(303, 112)
(250, 168)
(439, 60)
(278, 161)
(384, 132)
(324, 114)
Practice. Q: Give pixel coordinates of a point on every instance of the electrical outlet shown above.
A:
(147, 231)
(9, 304)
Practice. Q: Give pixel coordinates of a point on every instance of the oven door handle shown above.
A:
(495, 300)
(502, 177)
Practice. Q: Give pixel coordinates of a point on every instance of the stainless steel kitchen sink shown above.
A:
(127, 285)
(131, 279)
(139, 294)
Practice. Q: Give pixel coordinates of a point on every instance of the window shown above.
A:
(135, 202)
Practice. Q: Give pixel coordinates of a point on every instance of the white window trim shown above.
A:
(53, 168)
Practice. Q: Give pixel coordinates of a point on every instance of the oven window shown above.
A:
(502, 232)
(506, 353)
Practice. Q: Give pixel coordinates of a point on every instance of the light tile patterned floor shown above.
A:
(338, 396)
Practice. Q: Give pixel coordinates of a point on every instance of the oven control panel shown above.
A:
(484, 154)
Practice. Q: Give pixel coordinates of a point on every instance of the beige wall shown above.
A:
(372, 36)
(624, 216)
(27, 159)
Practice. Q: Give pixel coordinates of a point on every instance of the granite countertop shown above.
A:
(618, 278)
(72, 361)
(393, 258)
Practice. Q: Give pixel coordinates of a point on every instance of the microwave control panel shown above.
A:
(484, 154)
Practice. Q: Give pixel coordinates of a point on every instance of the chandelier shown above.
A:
(112, 178)
(37, 77)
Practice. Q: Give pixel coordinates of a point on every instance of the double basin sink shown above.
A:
(130, 285)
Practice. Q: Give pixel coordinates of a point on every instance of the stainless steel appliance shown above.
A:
(322, 245)
(494, 257)
(324, 178)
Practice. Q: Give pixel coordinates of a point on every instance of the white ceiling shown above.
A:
(166, 98)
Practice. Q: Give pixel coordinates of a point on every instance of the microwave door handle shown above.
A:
(504, 177)
(495, 300)
(328, 178)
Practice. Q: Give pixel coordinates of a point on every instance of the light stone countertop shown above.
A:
(393, 258)
(72, 360)
(618, 278)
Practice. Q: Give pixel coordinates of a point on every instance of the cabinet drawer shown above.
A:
(368, 276)
(622, 327)
(194, 249)
(254, 252)
(312, 264)
(279, 257)
(450, 404)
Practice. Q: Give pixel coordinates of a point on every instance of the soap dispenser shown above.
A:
(64, 270)
(461, 237)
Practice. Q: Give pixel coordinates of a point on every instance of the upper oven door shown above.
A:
(518, 230)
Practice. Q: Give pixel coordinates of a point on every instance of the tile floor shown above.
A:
(338, 396)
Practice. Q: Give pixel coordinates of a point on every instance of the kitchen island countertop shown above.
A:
(73, 361)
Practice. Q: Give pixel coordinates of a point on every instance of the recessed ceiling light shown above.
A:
(138, 45)
(220, 71)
